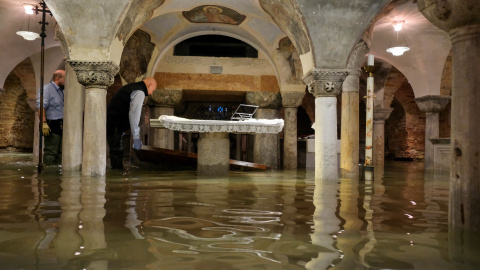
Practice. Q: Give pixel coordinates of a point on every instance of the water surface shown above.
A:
(153, 219)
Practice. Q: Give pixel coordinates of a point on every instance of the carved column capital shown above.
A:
(98, 74)
(165, 97)
(432, 104)
(381, 114)
(325, 82)
(292, 99)
(266, 100)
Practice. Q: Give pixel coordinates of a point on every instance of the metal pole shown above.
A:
(43, 9)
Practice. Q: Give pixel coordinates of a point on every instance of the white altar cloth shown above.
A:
(201, 126)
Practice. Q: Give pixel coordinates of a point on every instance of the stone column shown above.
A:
(431, 106)
(461, 20)
(72, 122)
(290, 100)
(265, 145)
(214, 154)
(350, 144)
(96, 76)
(379, 117)
(162, 102)
(325, 85)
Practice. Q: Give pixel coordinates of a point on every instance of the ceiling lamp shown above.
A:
(398, 48)
(28, 35)
(28, 8)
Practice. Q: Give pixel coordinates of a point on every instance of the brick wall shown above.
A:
(405, 129)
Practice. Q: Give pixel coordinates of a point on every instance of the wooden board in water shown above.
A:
(179, 158)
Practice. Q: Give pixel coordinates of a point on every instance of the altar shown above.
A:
(213, 143)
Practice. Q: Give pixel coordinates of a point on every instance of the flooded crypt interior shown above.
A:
(338, 88)
(151, 219)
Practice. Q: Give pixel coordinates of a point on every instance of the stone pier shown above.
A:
(291, 100)
(380, 115)
(162, 102)
(215, 149)
(72, 122)
(431, 106)
(96, 76)
(350, 126)
(325, 85)
(461, 20)
(266, 148)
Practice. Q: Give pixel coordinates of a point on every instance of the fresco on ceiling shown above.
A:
(136, 55)
(138, 13)
(287, 52)
(213, 14)
(284, 15)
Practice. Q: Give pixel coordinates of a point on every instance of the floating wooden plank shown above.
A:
(183, 159)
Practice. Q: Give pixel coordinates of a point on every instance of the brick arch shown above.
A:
(405, 128)
(25, 72)
(17, 117)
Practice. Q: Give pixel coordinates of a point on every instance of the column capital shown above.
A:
(449, 15)
(292, 99)
(98, 74)
(267, 100)
(325, 82)
(432, 104)
(165, 97)
(351, 83)
(381, 114)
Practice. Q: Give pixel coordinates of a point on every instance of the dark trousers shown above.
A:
(52, 150)
(114, 140)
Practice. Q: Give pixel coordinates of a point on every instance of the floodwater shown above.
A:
(152, 219)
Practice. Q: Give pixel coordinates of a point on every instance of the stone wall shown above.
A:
(220, 82)
(16, 116)
(234, 74)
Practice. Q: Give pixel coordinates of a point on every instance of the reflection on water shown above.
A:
(267, 220)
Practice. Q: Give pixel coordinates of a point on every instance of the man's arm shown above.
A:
(136, 103)
(45, 103)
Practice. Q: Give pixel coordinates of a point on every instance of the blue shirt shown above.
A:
(52, 101)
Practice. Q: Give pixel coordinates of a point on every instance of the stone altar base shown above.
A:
(215, 149)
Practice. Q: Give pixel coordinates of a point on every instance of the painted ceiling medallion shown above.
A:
(213, 14)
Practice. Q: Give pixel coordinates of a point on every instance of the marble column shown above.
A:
(265, 149)
(291, 100)
(461, 20)
(96, 76)
(162, 102)
(379, 117)
(431, 106)
(72, 122)
(350, 126)
(215, 154)
(325, 85)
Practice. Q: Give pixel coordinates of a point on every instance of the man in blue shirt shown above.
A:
(123, 112)
(53, 118)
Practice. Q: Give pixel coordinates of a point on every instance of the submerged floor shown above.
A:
(147, 219)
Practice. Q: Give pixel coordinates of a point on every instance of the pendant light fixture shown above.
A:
(398, 48)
